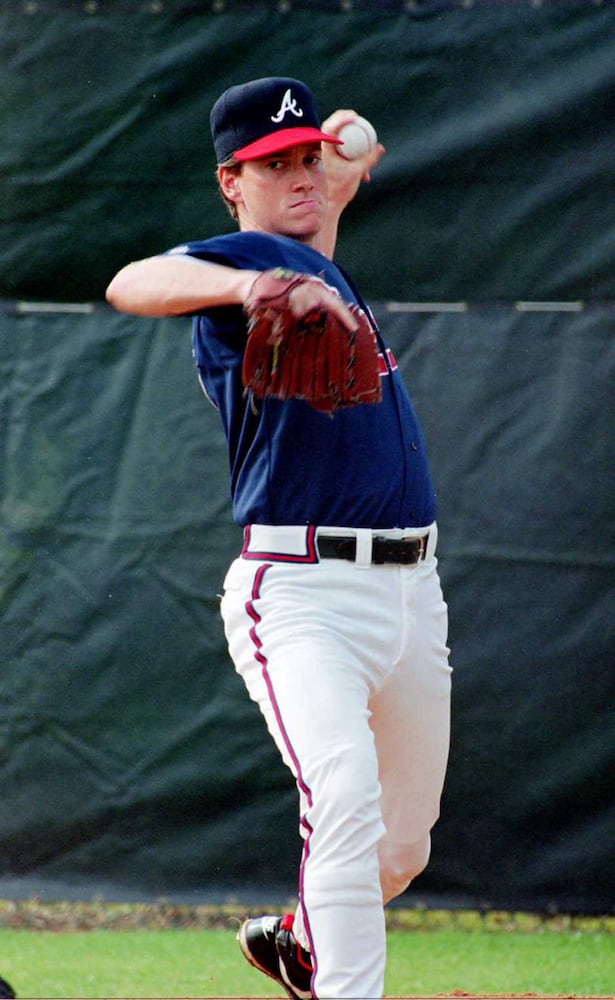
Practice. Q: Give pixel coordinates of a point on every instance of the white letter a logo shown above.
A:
(288, 104)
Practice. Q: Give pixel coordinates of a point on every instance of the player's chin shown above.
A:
(305, 225)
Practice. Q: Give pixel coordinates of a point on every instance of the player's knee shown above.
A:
(346, 804)
(400, 863)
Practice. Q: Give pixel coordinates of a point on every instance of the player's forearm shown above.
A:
(343, 180)
(171, 286)
(326, 239)
(342, 188)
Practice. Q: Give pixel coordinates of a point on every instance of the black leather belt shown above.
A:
(403, 551)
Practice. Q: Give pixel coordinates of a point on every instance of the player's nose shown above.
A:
(303, 177)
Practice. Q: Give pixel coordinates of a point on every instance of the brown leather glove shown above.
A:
(312, 356)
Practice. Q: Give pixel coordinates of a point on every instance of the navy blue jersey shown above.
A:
(363, 467)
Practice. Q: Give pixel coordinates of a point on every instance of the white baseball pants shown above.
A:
(349, 665)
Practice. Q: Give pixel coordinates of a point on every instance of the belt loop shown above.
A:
(363, 558)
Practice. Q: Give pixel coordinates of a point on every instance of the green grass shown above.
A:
(207, 963)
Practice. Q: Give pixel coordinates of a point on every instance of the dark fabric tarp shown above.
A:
(132, 762)
(498, 121)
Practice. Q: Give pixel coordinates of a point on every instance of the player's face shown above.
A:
(284, 194)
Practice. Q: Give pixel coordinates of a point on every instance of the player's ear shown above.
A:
(228, 179)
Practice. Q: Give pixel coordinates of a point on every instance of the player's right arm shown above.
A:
(343, 180)
(177, 284)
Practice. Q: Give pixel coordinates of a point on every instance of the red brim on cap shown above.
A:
(275, 142)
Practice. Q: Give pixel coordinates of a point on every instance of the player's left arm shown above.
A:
(343, 179)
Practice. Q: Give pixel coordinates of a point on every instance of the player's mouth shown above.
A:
(311, 204)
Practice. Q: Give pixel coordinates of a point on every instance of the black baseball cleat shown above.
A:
(269, 944)
(6, 990)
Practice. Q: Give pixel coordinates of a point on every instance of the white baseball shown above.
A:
(358, 137)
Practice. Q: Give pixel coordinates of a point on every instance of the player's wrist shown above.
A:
(244, 283)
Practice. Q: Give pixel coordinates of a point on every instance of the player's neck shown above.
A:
(307, 239)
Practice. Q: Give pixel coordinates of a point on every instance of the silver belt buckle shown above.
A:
(422, 545)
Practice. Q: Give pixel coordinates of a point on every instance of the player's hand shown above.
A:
(345, 176)
(302, 344)
(316, 296)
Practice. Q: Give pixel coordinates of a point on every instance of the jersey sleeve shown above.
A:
(219, 250)
(262, 251)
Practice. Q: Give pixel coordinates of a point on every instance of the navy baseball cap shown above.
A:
(264, 116)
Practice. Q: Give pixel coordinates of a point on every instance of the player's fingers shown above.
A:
(343, 313)
(313, 296)
(339, 118)
(345, 116)
(372, 158)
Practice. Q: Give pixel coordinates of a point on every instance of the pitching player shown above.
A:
(333, 610)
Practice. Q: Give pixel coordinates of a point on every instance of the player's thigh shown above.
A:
(411, 717)
(295, 648)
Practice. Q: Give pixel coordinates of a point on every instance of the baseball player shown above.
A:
(333, 610)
